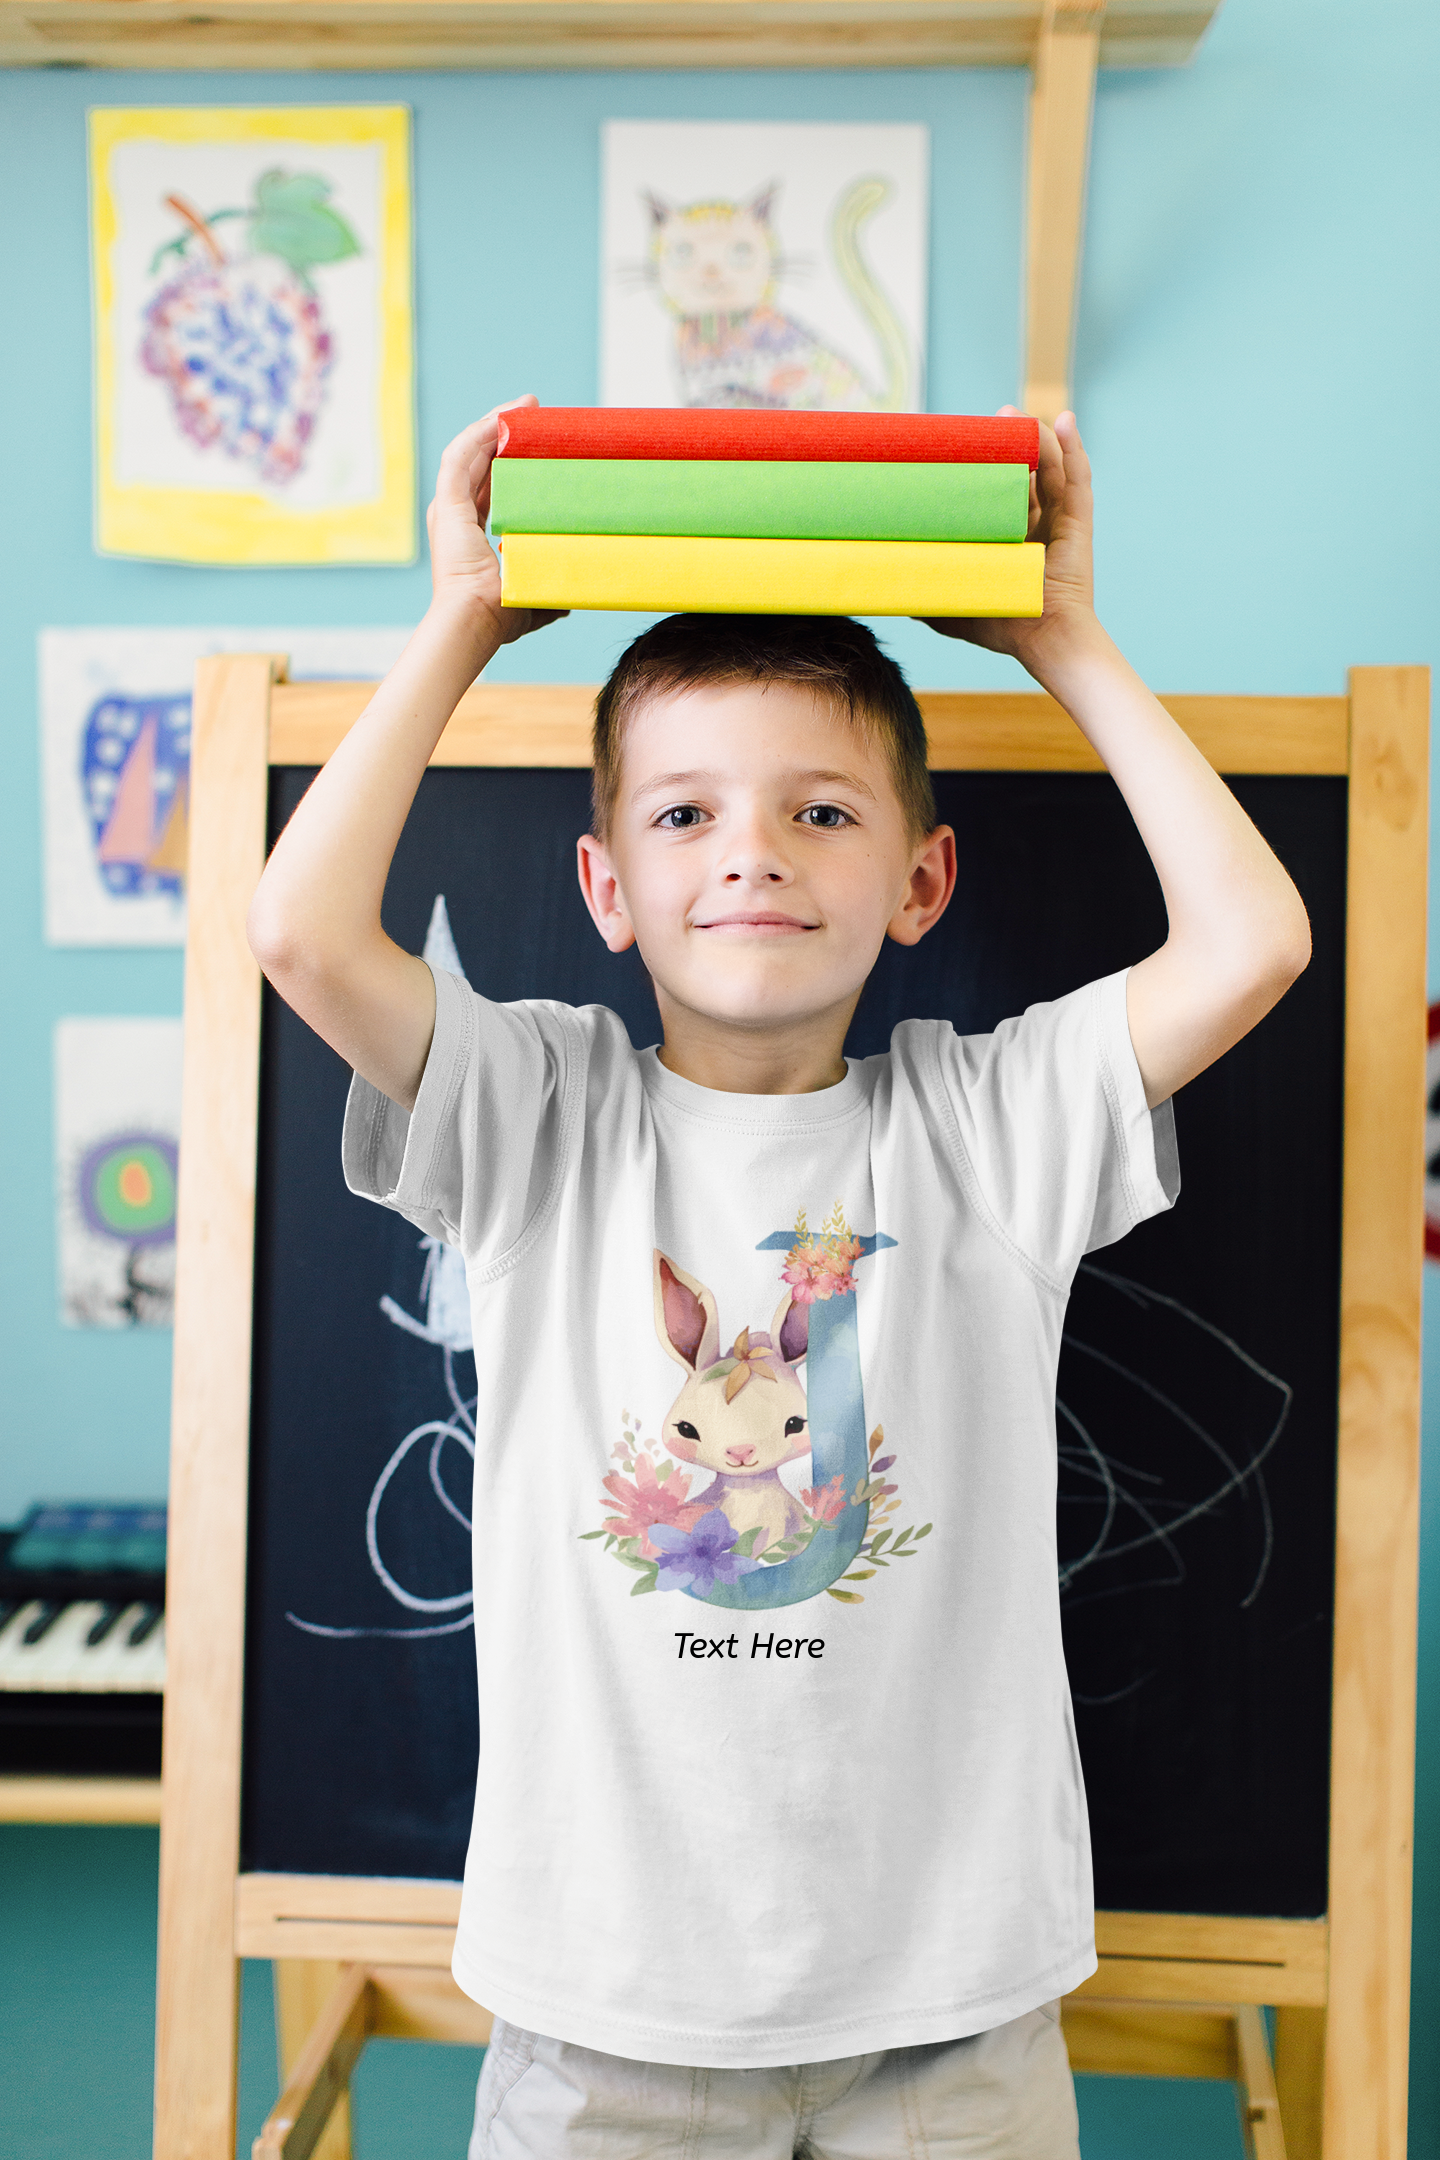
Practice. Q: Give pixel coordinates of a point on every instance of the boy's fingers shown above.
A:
(1041, 496)
(1052, 457)
(1050, 473)
(455, 482)
(488, 425)
(474, 445)
(1072, 450)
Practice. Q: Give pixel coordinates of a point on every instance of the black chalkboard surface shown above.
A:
(1197, 1396)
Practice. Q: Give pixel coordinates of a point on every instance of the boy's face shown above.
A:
(758, 856)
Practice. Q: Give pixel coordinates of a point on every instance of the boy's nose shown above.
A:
(755, 859)
(741, 1457)
(754, 853)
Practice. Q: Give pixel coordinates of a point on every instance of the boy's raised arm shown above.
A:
(1238, 931)
(314, 924)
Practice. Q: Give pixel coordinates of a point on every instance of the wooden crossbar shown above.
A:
(969, 730)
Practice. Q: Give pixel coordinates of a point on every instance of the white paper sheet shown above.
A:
(117, 1129)
(764, 264)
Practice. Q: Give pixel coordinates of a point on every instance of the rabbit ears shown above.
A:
(687, 1319)
(790, 1329)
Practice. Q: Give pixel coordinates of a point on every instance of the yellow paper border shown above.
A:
(221, 526)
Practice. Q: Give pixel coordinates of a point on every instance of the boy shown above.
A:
(806, 1877)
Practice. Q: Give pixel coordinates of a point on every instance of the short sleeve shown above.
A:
(475, 1157)
(1052, 1116)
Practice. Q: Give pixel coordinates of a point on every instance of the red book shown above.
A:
(617, 431)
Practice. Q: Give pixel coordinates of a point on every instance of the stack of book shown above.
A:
(766, 513)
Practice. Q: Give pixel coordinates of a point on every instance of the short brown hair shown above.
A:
(828, 654)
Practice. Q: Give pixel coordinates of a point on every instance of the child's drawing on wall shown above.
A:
(252, 315)
(237, 330)
(115, 748)
(135, 775)
(117, 1130)
(765, 265)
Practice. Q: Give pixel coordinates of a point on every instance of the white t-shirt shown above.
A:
(769, 1772)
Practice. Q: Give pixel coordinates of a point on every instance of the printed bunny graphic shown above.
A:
(741, 1415)
(745, 1541)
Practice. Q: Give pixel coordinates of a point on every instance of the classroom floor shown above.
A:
(77, 2006)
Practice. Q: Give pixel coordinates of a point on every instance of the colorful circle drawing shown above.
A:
(126, 1188)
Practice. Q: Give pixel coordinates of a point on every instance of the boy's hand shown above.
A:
(1062, 516)
(464, 568)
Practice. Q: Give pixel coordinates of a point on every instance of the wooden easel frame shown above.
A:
(1341, 1985)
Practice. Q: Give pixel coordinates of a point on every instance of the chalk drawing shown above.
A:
(445, 1295)
(1146, 1510)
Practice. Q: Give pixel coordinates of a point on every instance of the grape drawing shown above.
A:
(241, 341)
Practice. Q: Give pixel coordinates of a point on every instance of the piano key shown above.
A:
(12, 1630)
(46, 1615)
(114, 1666)
(109, 1614)
(50, 1637)
(111, 1664)
(63, 1661)
(144, 1670)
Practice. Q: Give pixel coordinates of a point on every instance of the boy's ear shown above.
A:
(927, 893)
(601, 890)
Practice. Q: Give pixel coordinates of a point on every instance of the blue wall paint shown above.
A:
(77, 2012)
(1259, 292)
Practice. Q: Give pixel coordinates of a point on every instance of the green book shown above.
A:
(751, 499)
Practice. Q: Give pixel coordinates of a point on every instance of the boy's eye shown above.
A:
(826, 816)
(682, 817)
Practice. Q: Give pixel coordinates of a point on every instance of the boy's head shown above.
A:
(838, 661)
(763, 817)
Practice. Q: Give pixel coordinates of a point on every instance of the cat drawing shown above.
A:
(717, 266)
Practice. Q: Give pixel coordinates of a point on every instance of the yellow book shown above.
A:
(654, 575)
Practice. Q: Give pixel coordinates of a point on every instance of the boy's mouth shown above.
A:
(760, 924)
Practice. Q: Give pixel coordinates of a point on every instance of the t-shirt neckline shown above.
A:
(789, 1113)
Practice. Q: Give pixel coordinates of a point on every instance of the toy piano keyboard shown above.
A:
(82, 1640)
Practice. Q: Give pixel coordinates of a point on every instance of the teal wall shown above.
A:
(1259, 300)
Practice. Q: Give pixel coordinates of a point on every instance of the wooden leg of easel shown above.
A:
(323, 2014)
(1066, 52)
(1300, 2079)
(1372, 1763)
(303, 1986)
(1259, 2102)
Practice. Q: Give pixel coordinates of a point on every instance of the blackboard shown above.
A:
(1198, 1386)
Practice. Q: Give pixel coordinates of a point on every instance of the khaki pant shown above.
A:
(1000, 2095)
